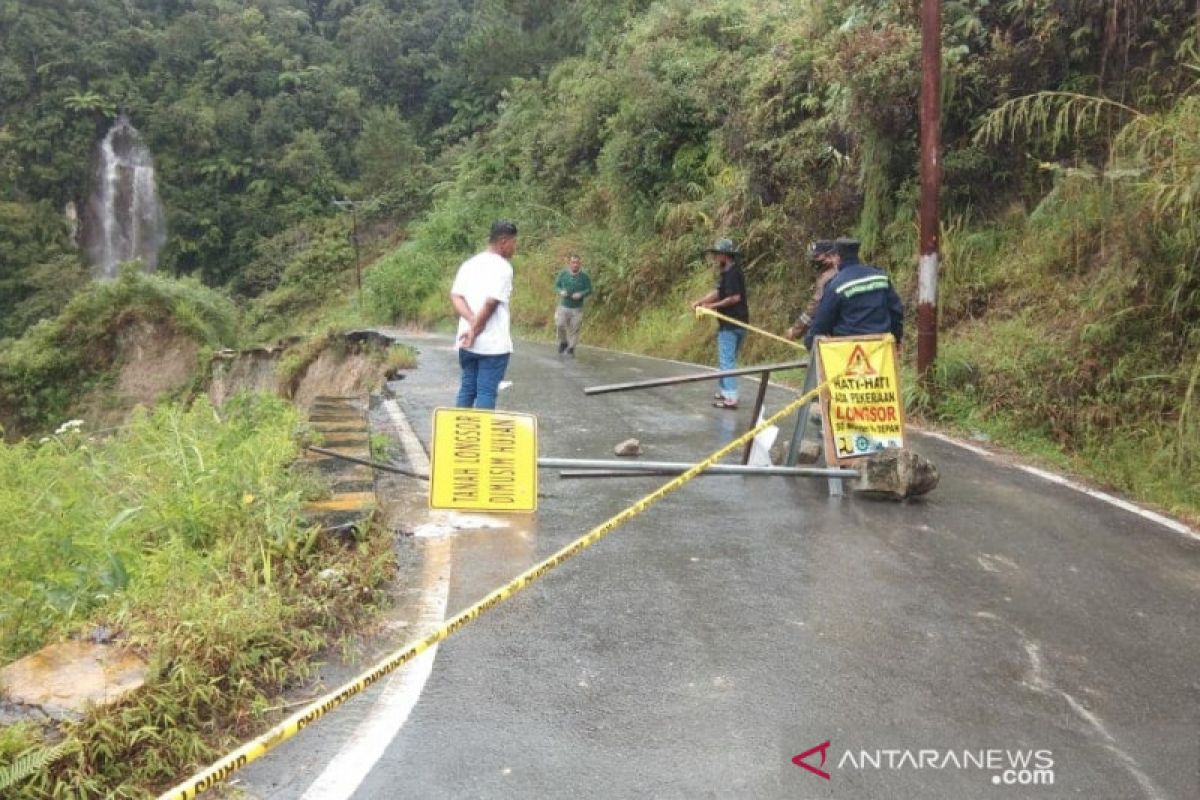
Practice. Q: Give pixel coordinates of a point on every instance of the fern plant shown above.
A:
(33, 761)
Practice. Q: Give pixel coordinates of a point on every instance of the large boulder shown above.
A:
(896, 473)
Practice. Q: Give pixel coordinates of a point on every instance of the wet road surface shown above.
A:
(742, 621)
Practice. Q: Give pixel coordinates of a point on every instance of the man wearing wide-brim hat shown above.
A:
(728, 299)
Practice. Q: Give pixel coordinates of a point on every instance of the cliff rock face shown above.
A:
(154, 360)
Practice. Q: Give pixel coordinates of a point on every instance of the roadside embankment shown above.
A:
(187, 543)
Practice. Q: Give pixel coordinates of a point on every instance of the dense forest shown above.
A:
(258, 114)
(634, 132)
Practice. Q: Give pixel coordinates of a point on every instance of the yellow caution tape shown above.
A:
(701, 311)
(256, 748)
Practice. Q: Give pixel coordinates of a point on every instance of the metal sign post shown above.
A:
(764, 378)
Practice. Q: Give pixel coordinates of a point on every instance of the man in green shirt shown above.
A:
(573, 286)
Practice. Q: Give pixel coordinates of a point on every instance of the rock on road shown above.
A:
(743, 621)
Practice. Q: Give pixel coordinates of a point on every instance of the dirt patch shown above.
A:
(62, 679)
(155, 360)
(338, 373)
(342, 365)
(244, 371)
(150, 360)
(336, 365)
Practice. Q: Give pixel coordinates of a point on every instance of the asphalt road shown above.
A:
(743, 621)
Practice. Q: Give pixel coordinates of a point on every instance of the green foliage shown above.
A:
(111, 529)
(46, 371)
(635, 132)
(303, 268)
(391, 164)
(776, 124)
(632, 132)
(1104, 384)
(400, 285)
(399, 357)
(259, 113)
(37, 274)
(298, 358)
(31, 762)
(85, 519)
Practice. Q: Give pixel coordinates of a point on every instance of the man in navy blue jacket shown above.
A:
(859, 300)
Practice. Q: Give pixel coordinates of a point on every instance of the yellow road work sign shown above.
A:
(862, 407)
(483, 461)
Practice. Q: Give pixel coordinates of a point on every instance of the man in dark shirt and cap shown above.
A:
(729, 299)
(859, 300)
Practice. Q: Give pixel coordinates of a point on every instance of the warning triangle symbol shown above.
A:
(858, 365)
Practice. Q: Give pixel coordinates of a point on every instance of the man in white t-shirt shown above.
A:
(480, 295)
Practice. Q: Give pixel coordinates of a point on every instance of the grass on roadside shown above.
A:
(183, 533)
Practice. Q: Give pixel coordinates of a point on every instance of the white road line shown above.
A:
(979, 451)
(414, 451)
(1037, 681)
(1153, 516)
(370, 739)
(1060, 480)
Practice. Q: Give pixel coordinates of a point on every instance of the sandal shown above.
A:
(723, 403)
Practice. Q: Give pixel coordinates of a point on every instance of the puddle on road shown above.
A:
(449, 523)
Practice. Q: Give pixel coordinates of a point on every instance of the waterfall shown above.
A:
(124, 219)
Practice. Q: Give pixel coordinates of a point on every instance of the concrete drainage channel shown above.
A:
(343, 429)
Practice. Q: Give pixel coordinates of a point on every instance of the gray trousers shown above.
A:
(568, 321)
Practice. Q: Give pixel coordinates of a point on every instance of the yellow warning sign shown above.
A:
(862, 407)
(483, 461)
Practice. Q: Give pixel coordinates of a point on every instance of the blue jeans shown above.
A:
(729, 341)
(481, 376)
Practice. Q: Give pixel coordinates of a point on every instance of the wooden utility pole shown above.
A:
(931, 179)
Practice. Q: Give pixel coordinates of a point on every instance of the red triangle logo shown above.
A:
(824, 746)
(858, 365)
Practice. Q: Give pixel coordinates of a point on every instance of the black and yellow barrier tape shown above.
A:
(254, 749)
(700, 311)
(257, 747)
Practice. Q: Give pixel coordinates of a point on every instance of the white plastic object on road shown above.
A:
(760, 449)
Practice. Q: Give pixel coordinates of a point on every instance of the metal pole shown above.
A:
(694, 377)
(810, 383)
(353, 206)
(931, 112)
(366, 463)
(357, 255)
(758, 405)
(683, 466)
(568, 474)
